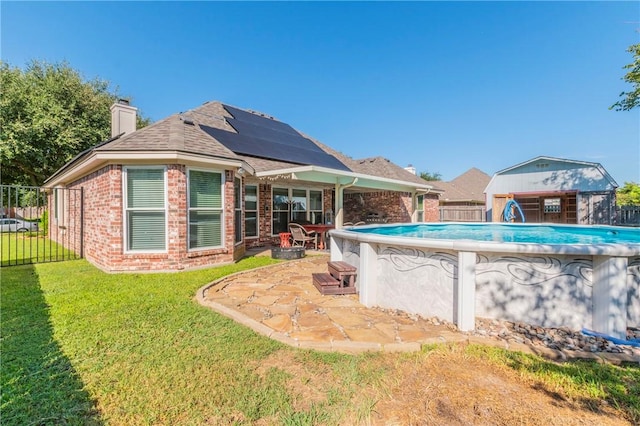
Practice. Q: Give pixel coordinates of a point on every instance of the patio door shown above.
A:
(295, 205)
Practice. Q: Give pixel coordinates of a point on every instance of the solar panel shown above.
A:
(264, 137)
(257, 120)
(257, 147)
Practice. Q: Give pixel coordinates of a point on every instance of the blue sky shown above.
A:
(444, 86)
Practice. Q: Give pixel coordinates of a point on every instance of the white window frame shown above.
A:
(222, 208)
(419, 211)
(309, 210)
(126, 209)
(290, 190)
(257, 211)
(59, 203)
(238, 209)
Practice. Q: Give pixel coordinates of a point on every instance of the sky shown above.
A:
(443, 86)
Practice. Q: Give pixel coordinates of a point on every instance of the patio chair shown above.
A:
(360, 223)
(347, 224)
(301, 236)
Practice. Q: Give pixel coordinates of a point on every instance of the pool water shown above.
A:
(512, 233)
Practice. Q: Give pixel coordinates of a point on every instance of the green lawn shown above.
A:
(18, 248)
(80, 346)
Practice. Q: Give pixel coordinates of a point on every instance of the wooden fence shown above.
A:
(628, 215)
(463, 214)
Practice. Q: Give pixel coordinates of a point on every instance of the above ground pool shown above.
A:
(511, 233)
(544, 274)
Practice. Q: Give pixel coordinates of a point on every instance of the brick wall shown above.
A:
(104, 234)
(431, 208)
(394, 206)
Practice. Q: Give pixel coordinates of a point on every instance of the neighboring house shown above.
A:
(465, 190)
(198, 188)
(554, 190)
(463, 198)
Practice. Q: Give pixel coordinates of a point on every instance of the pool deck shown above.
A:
(281, 302)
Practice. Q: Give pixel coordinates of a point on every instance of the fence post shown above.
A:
(81, 222)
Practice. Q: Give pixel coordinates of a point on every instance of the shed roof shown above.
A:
(552, 174)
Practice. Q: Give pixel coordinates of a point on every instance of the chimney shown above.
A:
(123, 118)
(410, 169)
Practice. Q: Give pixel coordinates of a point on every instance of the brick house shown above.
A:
(463, 199)
(200, 187)
(464, 190)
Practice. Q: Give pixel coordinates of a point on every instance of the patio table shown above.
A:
(321, 229)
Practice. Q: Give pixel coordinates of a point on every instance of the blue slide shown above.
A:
(509, 212)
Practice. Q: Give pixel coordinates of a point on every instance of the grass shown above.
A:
(20, 248)
(80, 346)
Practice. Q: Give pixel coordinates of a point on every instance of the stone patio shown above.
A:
(281, 302)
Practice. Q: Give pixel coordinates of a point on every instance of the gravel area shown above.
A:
(553, 338)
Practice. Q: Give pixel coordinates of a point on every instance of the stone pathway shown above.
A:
(281, 302)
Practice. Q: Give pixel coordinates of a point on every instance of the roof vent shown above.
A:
(189, 122)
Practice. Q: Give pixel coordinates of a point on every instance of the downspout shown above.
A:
(340, 201)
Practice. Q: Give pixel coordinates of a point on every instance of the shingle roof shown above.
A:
(178, 132)
(469, 186)
(182, 132)
(380, 166)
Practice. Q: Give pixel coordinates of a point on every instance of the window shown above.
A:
(250, 211)
(237, 205)
(298, 205)
(145, 209)
(552, 205)
(315, 206)
(280, 210)
(205, 209)
(58, 205)
(295, 205)
(420, 208)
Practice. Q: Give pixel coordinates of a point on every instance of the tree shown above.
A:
(628, 195)
(49, 114)
(430, 176)
(630, 99)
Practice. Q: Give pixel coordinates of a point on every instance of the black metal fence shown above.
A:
(39, 224)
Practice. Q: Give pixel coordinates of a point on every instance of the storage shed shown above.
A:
(554, 190)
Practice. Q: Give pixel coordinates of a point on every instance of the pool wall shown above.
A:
(595, 287)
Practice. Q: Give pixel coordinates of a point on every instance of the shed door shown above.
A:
(499, 202)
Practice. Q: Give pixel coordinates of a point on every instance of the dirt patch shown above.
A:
(454, 389)
(441, 387)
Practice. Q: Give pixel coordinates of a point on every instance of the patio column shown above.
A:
(339, 219)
